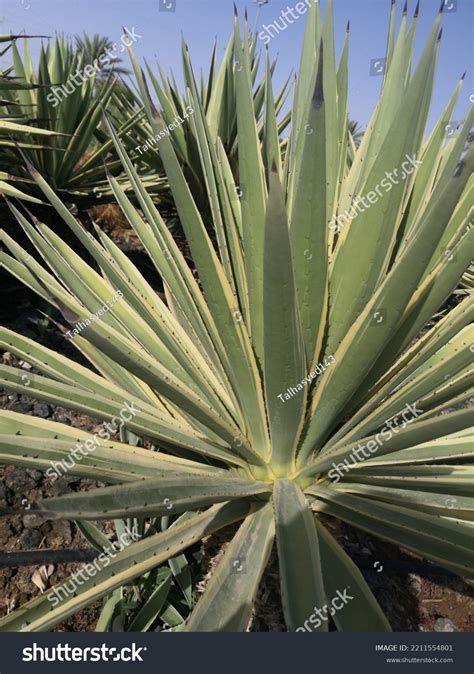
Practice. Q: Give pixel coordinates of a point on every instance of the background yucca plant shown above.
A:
(217, 97)
(467, 282)
(14, 128)
(72, 155)
(159, 599)
(207, 367)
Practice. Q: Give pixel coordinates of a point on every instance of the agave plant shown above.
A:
(61, 101)
(467, 282)
(217, 96)
(160, 598)
(14, 127)
(274, 384)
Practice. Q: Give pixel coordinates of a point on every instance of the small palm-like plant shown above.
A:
(95, 47)
(272, 385)
(356, 132)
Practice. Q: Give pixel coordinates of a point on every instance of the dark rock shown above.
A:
(19, 481)
(30, 538)
(42, 410)
(21, 407)
(61, 486)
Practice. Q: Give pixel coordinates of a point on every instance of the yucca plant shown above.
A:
(159, 599)
(60, 99)
(258, 379)
(217, 96)
(14, 129)
(467, 282)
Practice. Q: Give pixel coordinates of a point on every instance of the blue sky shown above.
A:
(201, 21)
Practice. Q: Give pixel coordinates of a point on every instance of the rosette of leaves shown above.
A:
(14, 128)
(60, 101)
(276, 291)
